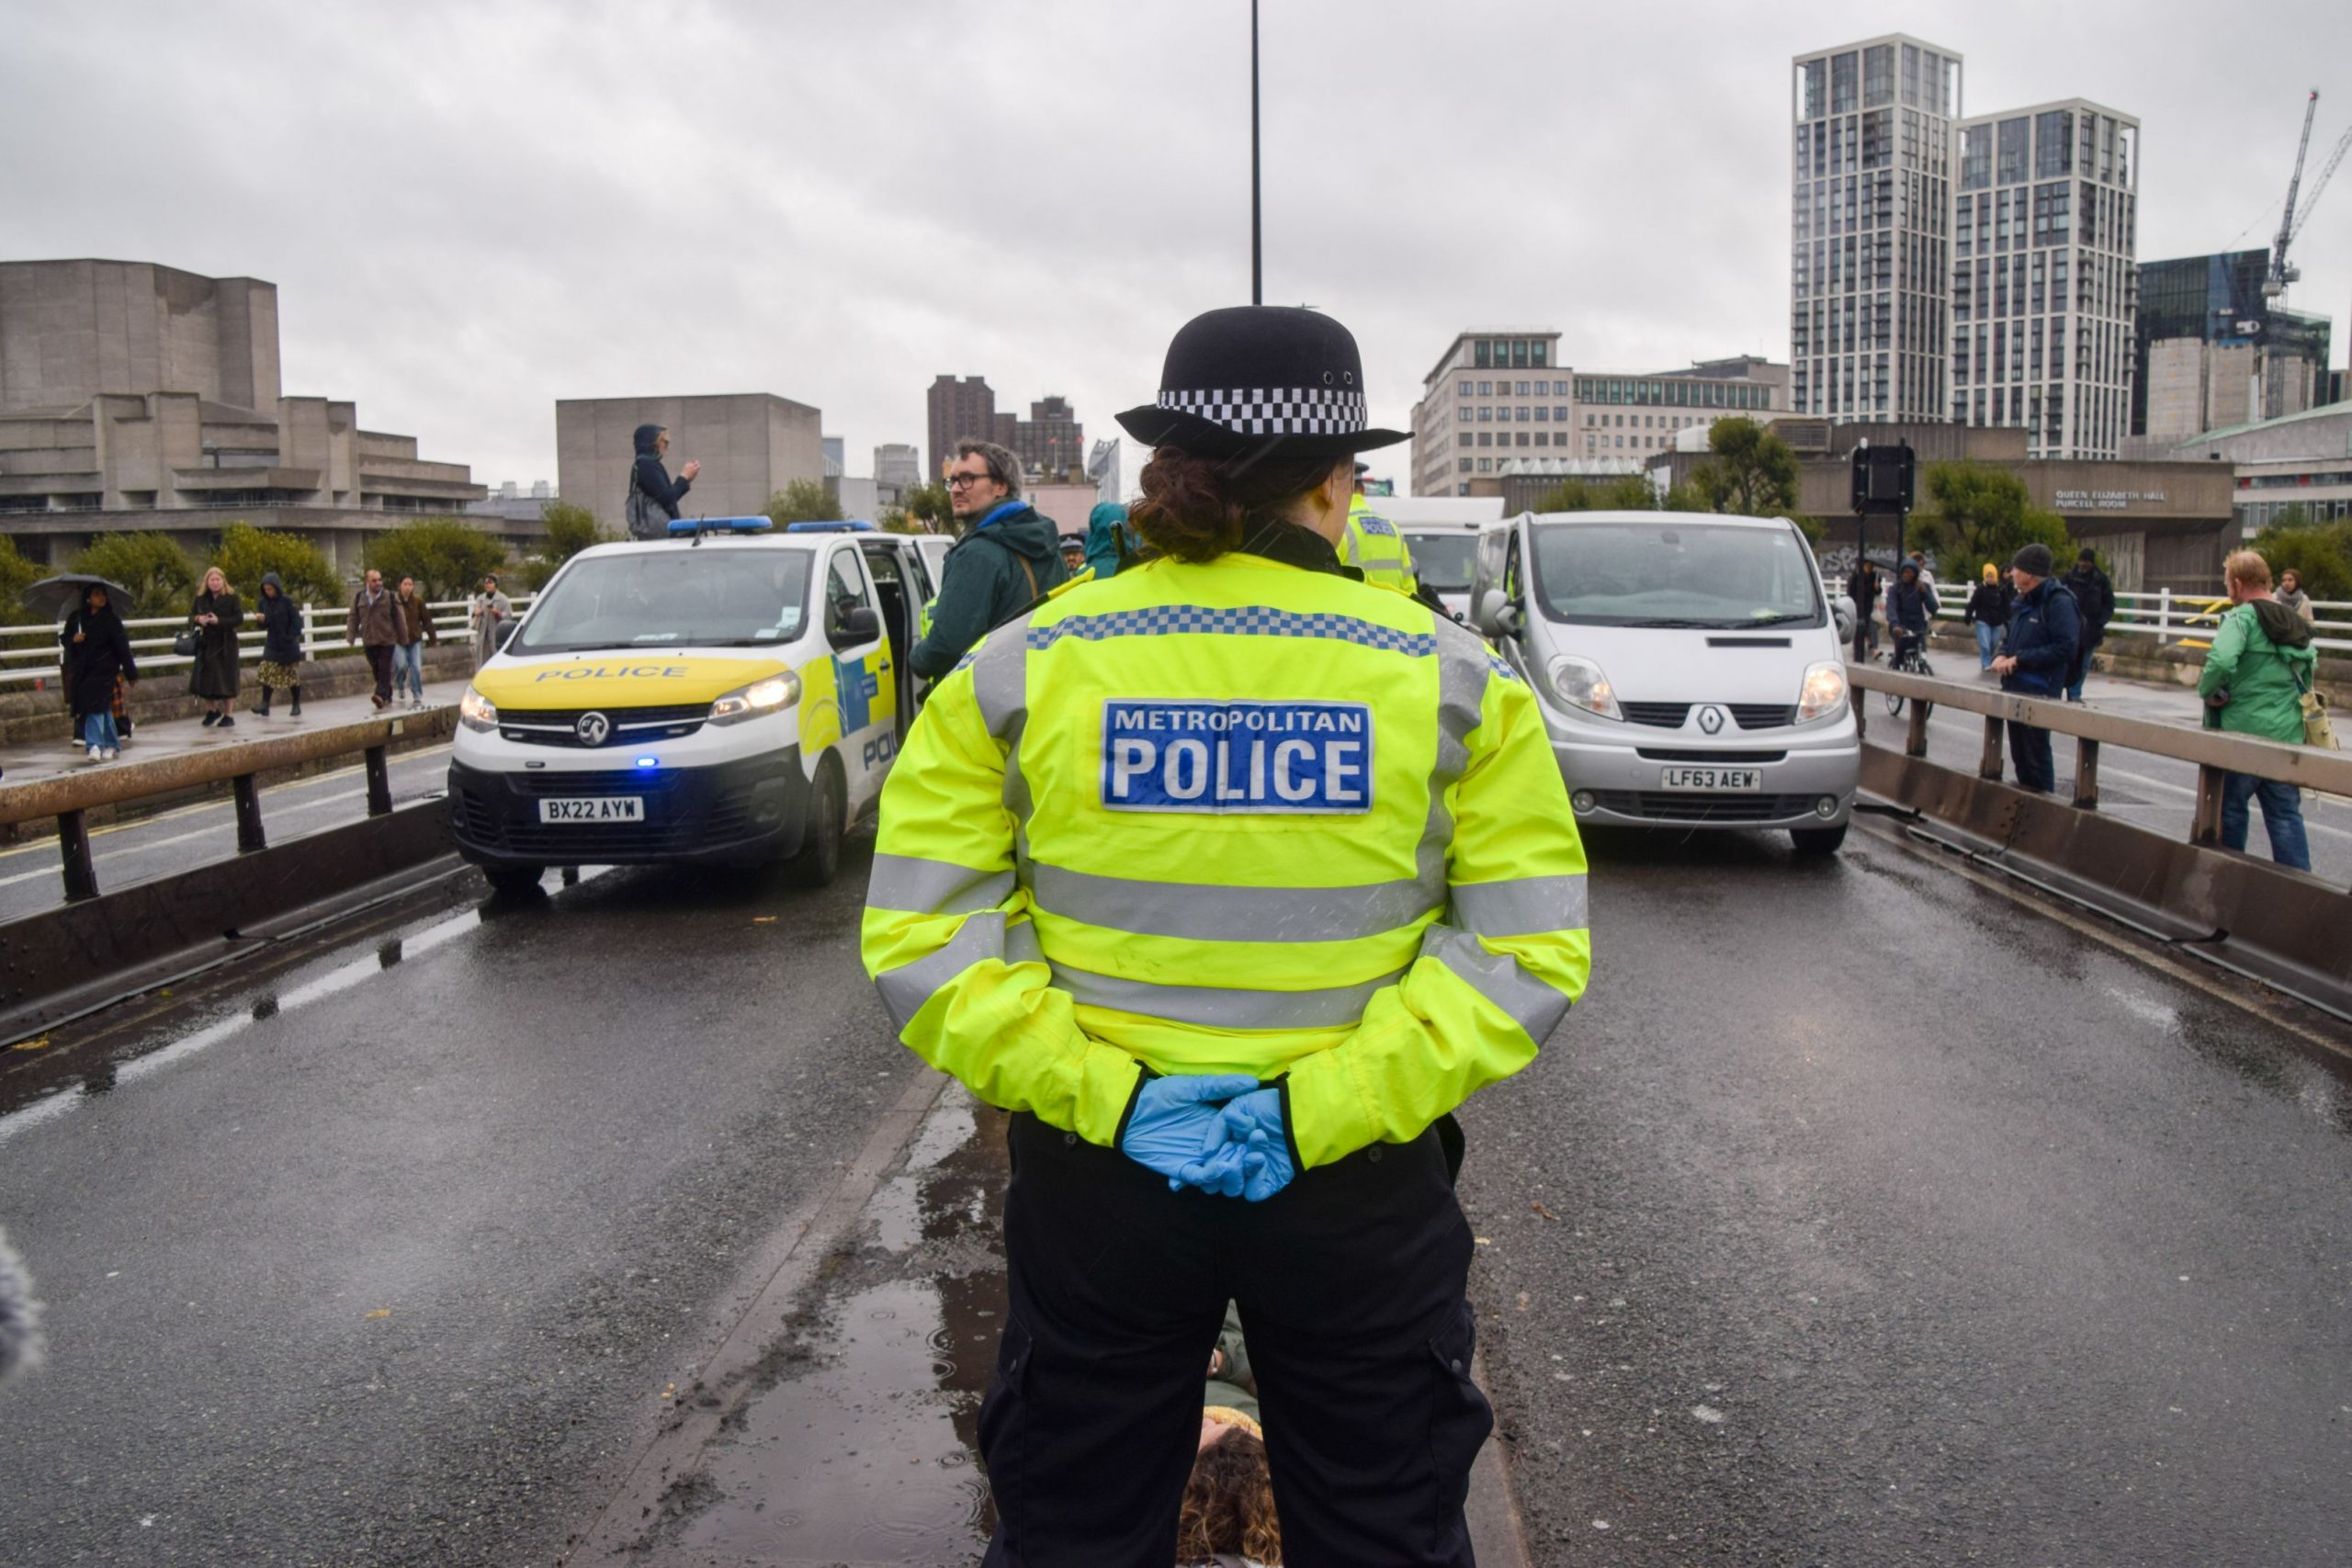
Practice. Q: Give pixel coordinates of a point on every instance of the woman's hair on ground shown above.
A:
(1229, 1503)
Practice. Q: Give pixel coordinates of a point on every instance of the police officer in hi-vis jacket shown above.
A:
(1231, 876)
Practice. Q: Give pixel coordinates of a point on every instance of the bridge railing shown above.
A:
(2165, 617)
(2217, 753)
(32, 654)
(67, 797)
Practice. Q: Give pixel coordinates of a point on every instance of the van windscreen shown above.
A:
(1675, 574)
(1443, 561)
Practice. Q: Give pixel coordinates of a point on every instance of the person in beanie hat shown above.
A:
(2095, 598)
(2037, 657)
(1231, 876)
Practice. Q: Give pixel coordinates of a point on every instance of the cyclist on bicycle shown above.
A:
(1910, 602)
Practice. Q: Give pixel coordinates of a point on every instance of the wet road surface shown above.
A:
(2148, 790)
(390, 1259)
(206, 834)
(1861, 1216)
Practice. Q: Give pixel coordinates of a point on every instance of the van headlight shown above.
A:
(1579, 684)
(477, 712)
(772, 694)
(1824, 692)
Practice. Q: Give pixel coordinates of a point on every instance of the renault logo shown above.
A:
(594, 726)
(1711, 719)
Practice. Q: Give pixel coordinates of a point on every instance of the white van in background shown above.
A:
(1442, 533)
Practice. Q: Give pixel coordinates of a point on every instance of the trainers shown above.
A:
(228, 721)
(93, 756)
(109, 755)
(211, 719)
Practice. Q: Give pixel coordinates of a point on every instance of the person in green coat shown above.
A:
(2254, 684)
(1008, 557)
(1107, 543)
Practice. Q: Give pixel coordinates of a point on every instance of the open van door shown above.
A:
(902, 581)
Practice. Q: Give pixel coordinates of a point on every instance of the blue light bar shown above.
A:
(852, 526)
(648, 762)
(687, 527)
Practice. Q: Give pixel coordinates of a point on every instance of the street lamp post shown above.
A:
(1257, 253)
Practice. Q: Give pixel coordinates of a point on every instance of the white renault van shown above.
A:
(1687, 665)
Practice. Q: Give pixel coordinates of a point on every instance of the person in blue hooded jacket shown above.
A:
(1107, 539)
(2036, 657)
(653, 496)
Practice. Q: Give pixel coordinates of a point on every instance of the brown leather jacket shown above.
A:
(416, 621)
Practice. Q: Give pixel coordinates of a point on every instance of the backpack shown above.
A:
(644, 516)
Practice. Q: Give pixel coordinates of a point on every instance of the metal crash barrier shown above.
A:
(67, 797)
(2286, 928)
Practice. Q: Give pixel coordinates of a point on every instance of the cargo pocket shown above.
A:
(1459, 1417)
(1004, 1429)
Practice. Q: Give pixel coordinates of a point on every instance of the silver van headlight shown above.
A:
(1824, 692)
(1579, 684)
(772, 695)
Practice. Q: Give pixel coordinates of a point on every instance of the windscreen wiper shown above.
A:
(1769, 621)
(1679, 626)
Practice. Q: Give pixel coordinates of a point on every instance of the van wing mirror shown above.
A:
(505, 631)
(1498, 616)
(861, 625)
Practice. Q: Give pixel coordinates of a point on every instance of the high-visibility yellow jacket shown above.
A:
(1235, 817)
(1373, 547)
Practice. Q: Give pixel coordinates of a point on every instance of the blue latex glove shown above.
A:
(1253, 1124)
(1175, 1129)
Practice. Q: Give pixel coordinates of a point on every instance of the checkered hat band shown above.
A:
(1274, 411)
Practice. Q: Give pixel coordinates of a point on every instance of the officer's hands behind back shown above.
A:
(1220, 1132)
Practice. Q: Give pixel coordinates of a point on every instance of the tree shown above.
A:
(1751, 472)
(571, 529)
(1626, 492)
(304, 573)
(2321, 554)
(445, 555)
(17, 574)
(1977, 512)
(927, 509)
(804, 501)
(154, 571)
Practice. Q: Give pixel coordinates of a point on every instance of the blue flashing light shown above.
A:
(648, 762)
(687, 527)
(853, 526)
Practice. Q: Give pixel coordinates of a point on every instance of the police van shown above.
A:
(724, 695)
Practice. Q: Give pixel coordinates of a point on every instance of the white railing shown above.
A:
(2170, 617)
(321, 634)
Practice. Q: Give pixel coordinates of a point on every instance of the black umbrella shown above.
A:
(56, 596)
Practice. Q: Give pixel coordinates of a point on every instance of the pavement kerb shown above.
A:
(790, 1259)
(1497, 1534)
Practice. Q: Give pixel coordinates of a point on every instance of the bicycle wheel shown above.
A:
(1893, 704)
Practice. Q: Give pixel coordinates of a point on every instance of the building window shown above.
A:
(1464, 390)
(1485, 464)
(1542, 389)
(1465, 464)
(1462, 439)
(1485, 439)
(1522, 438)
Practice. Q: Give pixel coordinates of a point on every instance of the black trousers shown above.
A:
(1350, 1282)
(379, 664)
(2030, 748)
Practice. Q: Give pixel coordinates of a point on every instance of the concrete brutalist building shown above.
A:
(751, 444)
(136, 397)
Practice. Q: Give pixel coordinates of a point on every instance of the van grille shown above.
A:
(1762, 716)
(1663, 715)
(553, 726)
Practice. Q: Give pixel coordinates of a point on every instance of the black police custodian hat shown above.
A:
(1260, 379)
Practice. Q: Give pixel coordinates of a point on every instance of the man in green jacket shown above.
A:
(1008, 557)
(2254, 684)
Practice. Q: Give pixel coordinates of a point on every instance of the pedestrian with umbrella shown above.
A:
(61, 598)
(97, 655)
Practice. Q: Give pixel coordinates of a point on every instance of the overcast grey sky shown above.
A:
(471, 210)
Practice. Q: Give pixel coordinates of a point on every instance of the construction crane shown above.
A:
(2291, 220)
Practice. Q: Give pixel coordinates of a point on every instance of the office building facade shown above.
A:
(1051, 441)
(2211, 352)
(898, 469)
(1870, 243)
(2044, 286)
(958, 410)
(1499, 398)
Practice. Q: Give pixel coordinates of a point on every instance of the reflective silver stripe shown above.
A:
(1462, 671)
(1001, 688)
(1206, 913)
(1536, 1007)
(1021, 944)
(1527, 907)
(1340, 1007)
(907, 988)
(934, 886)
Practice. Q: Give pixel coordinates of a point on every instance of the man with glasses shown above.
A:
(1008, 557)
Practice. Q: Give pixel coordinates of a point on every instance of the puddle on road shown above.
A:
(863, 1446)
